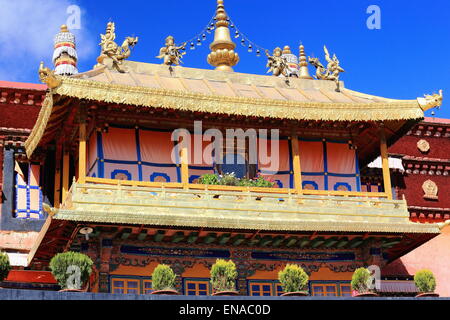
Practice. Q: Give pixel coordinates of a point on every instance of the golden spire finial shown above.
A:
(304, 73)
(222, 54)
(64, 28)
(286, 50)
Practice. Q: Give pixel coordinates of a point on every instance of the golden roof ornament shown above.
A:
(331, 72)
(276, 63)
(423, 146)
(171, 53)
(65, 53)
(430, 189)
(222, 54)
(304, 72)
(48, 76)
(111, 50)
(431, 101)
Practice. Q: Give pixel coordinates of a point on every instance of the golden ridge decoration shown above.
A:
(331, 72)
(111, 50)
(276, 63)
(48, 76)
(423, 145)
(171, 53)
(430, 189)
(431, 101)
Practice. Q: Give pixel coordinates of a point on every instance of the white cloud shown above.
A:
(27, 29)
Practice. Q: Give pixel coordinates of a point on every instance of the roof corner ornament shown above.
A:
(431, 101)
(111, 50)
(171, 53)
(331, 72)
(48, 76)
(277, 64)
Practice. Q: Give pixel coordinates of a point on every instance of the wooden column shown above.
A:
(57, 193)
(385, 164)
(65, 172)
(296, 164)
(184, 167)
(82, 154)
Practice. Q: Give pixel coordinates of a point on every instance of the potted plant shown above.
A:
(163, 280)
(71, 270)
(294, 280)
(425, 283)
(5, 267)
(361, 280)
(223, 278)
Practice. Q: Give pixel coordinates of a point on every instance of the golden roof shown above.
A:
(214, 91)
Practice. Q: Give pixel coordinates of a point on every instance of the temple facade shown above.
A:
(117, 158)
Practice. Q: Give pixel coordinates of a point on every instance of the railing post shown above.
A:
(385, 164)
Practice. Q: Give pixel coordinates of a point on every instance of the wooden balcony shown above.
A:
(175, 204)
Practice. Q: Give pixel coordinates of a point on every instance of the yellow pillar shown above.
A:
(385, 164)
(184, 167)
(296, 164)
(82, 154)
(57, 192)
(65, 179)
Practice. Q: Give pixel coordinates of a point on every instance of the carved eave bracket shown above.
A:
(48, 77)
(431, 101)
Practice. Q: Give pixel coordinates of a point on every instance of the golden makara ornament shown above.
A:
(48, 76)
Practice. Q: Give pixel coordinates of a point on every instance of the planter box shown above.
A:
(166, 292)
(226, 293)
(295, 294)
(427, 294)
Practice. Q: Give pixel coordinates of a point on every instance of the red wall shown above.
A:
(414, 193)
(407, 145)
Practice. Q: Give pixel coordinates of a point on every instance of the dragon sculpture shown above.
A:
(111, 50)
(331, 72)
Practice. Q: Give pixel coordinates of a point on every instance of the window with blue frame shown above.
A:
(194, 287)
(264, 288)
(28, 193)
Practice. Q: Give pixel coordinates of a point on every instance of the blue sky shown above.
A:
(408, 57)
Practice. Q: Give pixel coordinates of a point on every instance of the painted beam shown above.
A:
(125, 233)
(331, 242)
(159, 235)
(224, 238)
(317, 242)
(210, 238)
(291, 241)
(277, 241)
(356, 242)
(238, 239)
(193, 236)
(254, 241)
(265, 241)
(342, 242)
(303, 242)
(178, 237)
(385, 164)
(141, 236)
